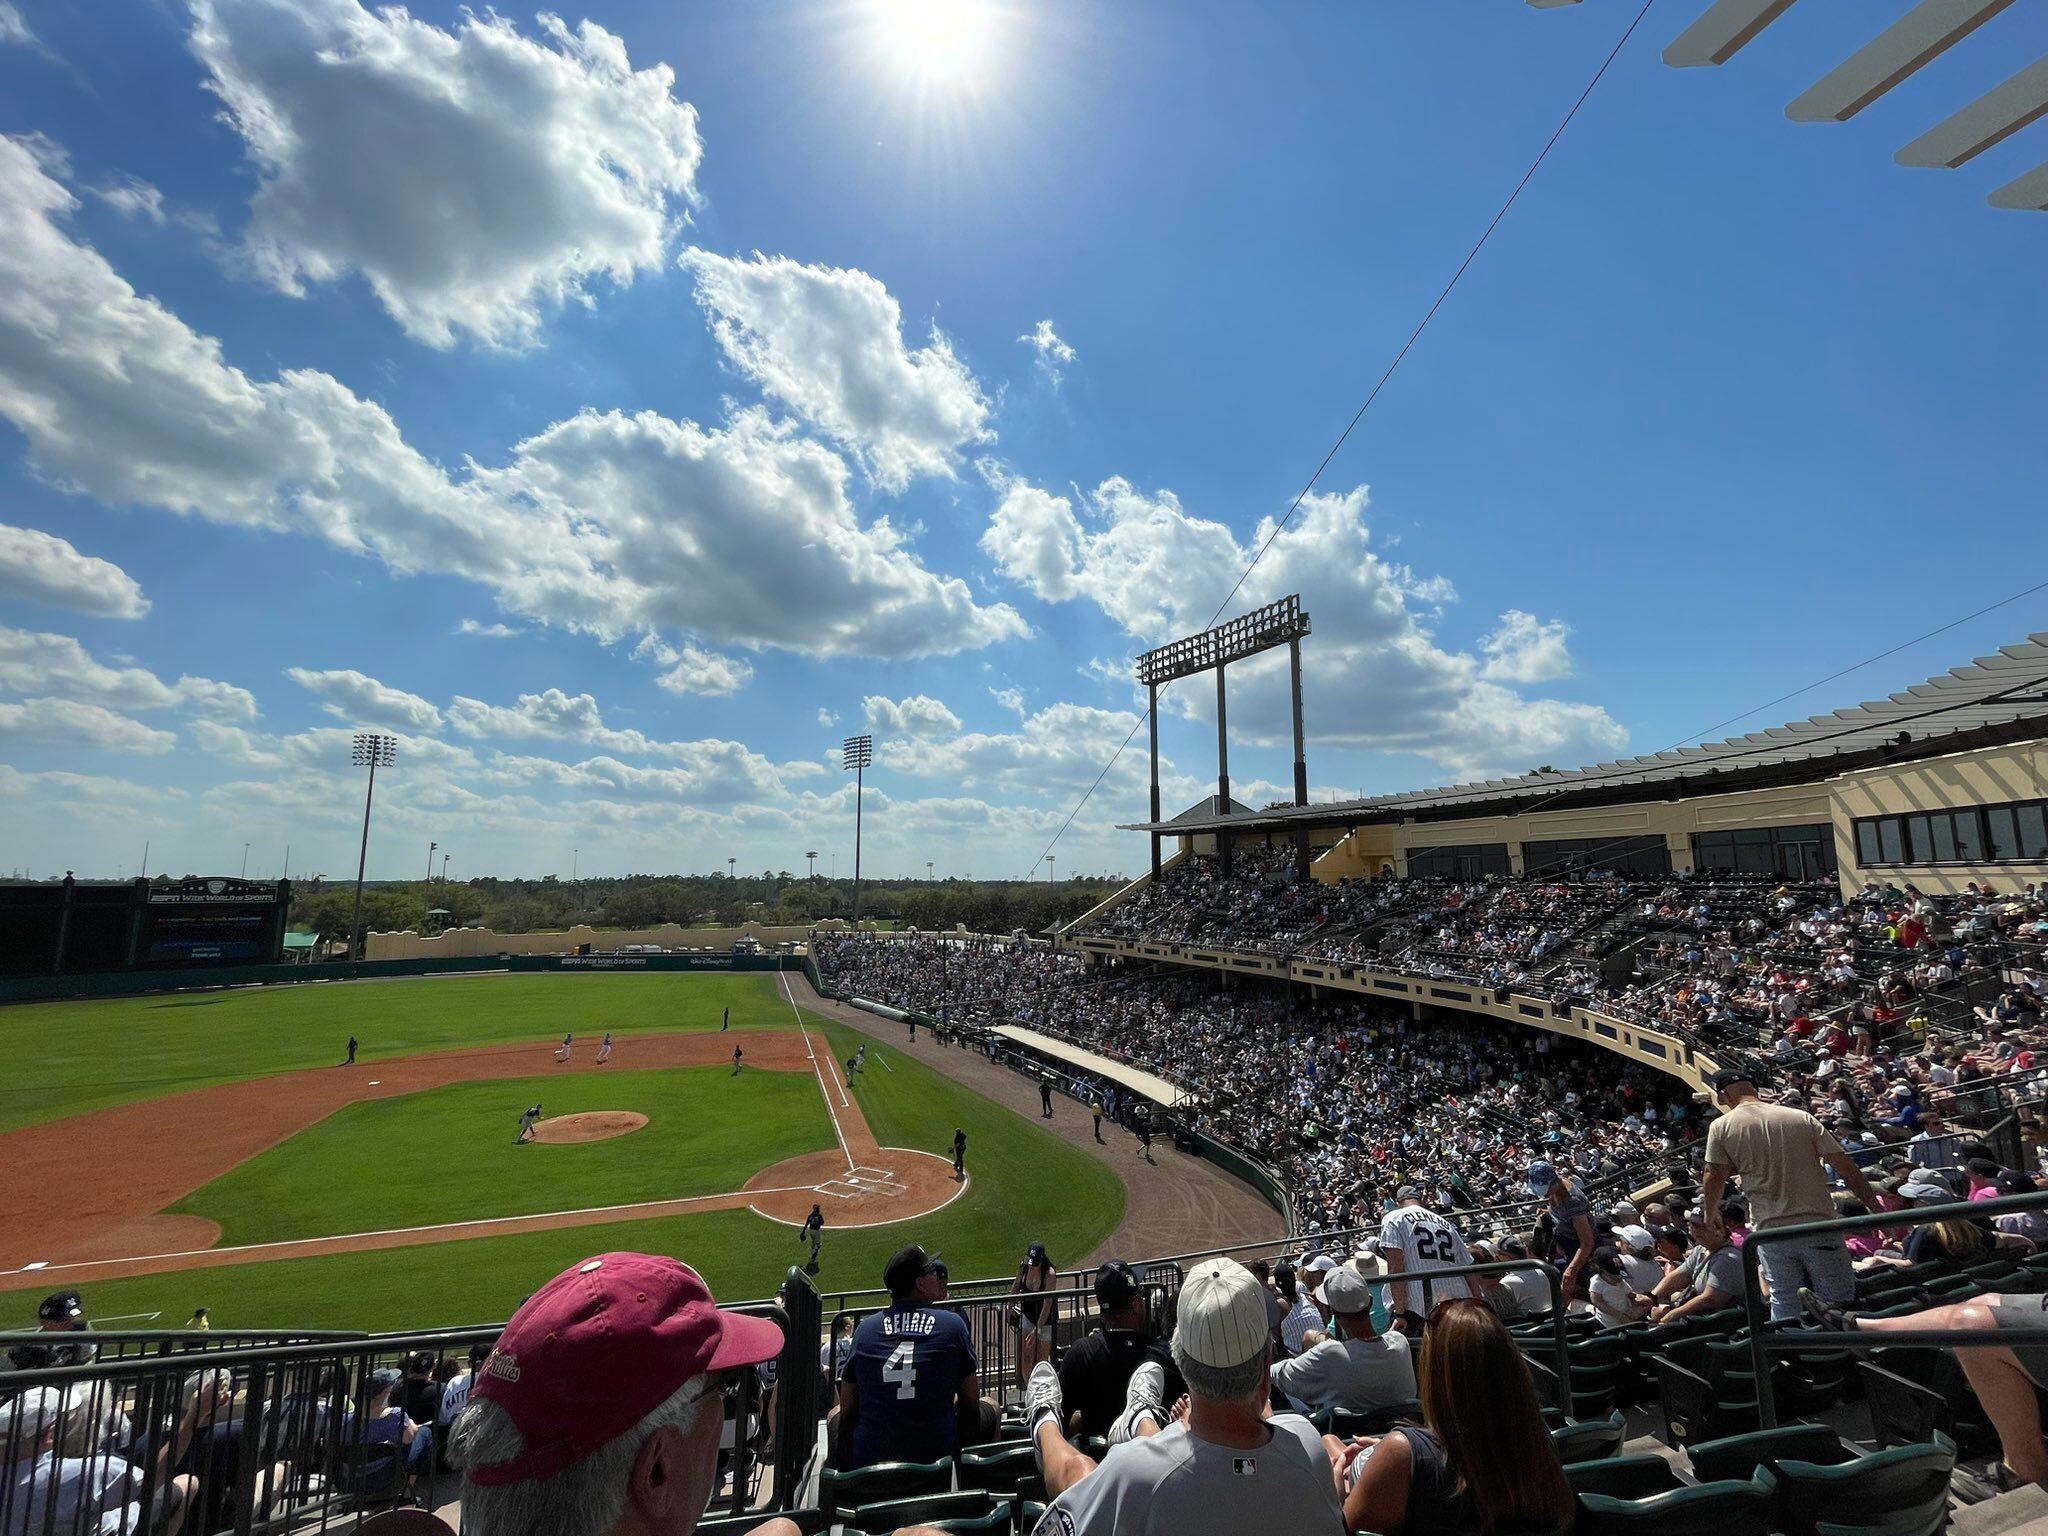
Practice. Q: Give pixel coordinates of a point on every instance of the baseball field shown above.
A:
(215, 1149)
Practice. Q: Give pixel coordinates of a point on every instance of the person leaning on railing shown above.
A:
(598, 1413)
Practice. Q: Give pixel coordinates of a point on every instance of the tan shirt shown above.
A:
(1776, 1151)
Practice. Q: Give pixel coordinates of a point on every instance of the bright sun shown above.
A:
(938, 41)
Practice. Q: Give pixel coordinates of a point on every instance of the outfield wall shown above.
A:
(31, 989)
(470, 943)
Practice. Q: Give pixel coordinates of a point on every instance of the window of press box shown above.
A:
(1989, 834)
(1791, 853)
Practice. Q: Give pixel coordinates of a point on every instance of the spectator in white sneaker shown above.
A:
(1216, 1465)
(1355, 1367)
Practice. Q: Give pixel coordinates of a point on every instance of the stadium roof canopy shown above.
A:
(1993, 700)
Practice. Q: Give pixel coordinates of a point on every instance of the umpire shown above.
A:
(1096, 1372)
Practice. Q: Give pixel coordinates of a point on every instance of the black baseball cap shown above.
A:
(1671, 1235)
(1727, 1077)
(61, 1307)
(1115, 1284)
(904, 1268)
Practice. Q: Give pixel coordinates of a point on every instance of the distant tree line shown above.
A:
(690, 901)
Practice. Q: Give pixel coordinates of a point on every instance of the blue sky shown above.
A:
(624, 408)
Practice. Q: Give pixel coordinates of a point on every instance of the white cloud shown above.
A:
(742, 534)
(361, 700)
(690, 670)
(67, 723)
(42, 568)
(828, 343)
(133, 198)
(1525, 649)
(920, 716)
(1061, 746)
(827, 719)
(1375, 677)
(474, 177)
(72, 790)
(39, 663)
(1010, 699)
(485, 631)
(1053, 354)
(13, 26)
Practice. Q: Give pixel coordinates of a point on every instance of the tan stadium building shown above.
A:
(1939, 785)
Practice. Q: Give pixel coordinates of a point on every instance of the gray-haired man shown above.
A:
(1217, 1462)
(599, 1412)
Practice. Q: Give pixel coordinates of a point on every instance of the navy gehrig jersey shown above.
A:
(906, 1367)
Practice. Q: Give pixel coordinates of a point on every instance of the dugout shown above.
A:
(75, 927)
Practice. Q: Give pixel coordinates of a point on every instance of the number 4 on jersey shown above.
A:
(900, 1370)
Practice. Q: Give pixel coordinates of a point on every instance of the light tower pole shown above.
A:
(813, 857)
(1048, 868)
(245, 861)
(372, 751)
(430, 861)
(856, 753)
(928, 871)
(730, 861)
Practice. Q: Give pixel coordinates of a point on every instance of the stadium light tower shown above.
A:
(1048, 868)
(856, 752)
(430, 861)
(730, 861)
(1238, 639)
(813, 857)
(371, 751)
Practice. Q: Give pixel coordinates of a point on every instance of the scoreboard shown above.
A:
(70, 926)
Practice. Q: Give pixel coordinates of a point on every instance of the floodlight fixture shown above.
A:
(856, 752)
(372, 750)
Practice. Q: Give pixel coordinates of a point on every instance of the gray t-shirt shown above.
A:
(1349, 1373)
(1722, 1269)
(1171, 1484)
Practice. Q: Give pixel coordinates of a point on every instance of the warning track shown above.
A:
(108, 1175)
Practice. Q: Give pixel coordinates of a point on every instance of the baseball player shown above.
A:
(1045, 1097)
(814, 1229)
(735, 1061)
(562, 1050)
(1414, 1239)
(526, 1122)
(725, 1021)
(1095, 1108)
(351, 1052)
(604, 1049)
(959, 1154)
(1144, 1113)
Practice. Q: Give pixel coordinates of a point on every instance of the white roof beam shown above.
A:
(1916, 38)
(1992, 118)
(1717, 36)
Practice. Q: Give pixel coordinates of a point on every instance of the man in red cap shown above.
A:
(599, 1411)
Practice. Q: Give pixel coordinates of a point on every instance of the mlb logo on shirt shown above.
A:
(1246, 1466)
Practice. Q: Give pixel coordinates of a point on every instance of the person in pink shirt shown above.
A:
(1983, 1174)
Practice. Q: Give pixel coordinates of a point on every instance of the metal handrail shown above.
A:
(1763, 1343)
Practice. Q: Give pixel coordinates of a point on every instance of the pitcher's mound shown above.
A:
(598, 1125)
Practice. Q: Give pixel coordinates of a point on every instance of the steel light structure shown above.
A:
(856, 752)
(1263, 629)
(373, 751)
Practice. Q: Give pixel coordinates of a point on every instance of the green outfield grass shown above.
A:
(448, 1154)
(67, 1058)
(1027, 1184)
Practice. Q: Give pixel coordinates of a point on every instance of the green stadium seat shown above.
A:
(1912, 1522)
(1590, 1440)
(1738, 1456)
(927, 1509)
(1709, 1509)
(842, 1491)
(1003, 1469)
(1693, 1411)
(1915, 1394)
(996, 1522)
(1905, 1483)
(1624, 1477)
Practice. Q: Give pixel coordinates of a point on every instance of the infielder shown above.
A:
(735, 1061)
(526, 1125)
(351, 1052)
(604, 1049)
(959, 1154)
(725, 1021)
(562, 1050)
(814, 1229)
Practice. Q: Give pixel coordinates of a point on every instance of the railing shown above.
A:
(1763, 1343)
(129, 1343)
(265, 1437)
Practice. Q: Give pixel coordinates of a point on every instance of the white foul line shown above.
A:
(824, 1084)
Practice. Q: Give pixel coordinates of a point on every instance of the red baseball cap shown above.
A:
(601, 1346)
